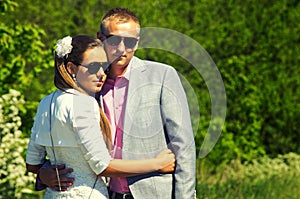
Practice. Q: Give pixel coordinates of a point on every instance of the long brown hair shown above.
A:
(63, 79)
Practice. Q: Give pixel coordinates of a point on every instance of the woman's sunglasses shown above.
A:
(114, 40)
(94, 67)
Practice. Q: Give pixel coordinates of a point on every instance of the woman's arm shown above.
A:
(164, 162)
(85, 120)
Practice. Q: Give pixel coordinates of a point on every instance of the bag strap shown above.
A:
(52, 148)
(52, 143)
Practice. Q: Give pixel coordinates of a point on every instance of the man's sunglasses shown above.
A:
(114, 40)
(94, 67)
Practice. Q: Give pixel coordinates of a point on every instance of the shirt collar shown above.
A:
(127, 72)
(126, 75)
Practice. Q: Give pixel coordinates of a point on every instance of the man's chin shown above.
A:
(98, 89)
(119, 63)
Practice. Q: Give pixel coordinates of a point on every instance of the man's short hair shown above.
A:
(123, 15)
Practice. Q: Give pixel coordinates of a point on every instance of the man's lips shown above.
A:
(100, 83)
(118, 57)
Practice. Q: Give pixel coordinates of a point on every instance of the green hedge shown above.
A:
(255, 45)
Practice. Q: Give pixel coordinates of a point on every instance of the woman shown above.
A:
(68, 123)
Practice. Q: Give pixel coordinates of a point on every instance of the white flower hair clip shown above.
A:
(64, 46)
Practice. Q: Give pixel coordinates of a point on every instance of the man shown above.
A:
(148, 112)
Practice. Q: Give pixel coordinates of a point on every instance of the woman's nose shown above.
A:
(101, 74)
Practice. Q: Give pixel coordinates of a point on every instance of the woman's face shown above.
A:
(90, 75)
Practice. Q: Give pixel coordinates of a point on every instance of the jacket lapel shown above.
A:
(136, 79)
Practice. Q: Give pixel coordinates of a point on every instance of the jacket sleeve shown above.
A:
(178, 129)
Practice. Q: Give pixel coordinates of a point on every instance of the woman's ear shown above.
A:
(71, 68)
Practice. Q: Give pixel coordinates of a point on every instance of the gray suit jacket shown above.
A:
(157, 117)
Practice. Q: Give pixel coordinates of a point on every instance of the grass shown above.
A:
(265, 178)
(285, 187)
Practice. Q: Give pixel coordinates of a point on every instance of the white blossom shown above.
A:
(64, 46)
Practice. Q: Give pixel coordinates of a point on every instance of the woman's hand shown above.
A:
(166, 161)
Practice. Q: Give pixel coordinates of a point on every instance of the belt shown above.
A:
(115, 195)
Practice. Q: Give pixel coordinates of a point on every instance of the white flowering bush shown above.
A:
(14, 178)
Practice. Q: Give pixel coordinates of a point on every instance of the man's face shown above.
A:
(121, 42)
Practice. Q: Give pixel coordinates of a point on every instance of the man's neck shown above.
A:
(116, 71)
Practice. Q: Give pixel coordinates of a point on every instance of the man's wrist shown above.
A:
(39, 185)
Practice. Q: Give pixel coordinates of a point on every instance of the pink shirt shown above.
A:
(114, 101)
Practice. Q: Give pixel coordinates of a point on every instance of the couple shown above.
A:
(156, 118)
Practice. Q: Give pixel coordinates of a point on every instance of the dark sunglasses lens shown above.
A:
(130, 42)
(114, 40)
(104, 65)
(95, 66)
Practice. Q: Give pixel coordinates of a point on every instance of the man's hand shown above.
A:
(49, 178)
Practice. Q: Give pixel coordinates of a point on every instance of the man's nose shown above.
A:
(121, 47)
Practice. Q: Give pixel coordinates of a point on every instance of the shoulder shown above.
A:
(46, 101)
(151, 65)
(72, 96)
(68, 99)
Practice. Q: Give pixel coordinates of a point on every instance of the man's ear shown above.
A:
(71, 68)
(137, 44)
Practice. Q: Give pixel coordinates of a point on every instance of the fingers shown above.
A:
(167, 151)
(170, 163)
(56, 188)
(171, 156)
(172, 167)
(48, 176)
(59, 166)
(168, 169)
(62, 170)
(65, 171)
(65, 183)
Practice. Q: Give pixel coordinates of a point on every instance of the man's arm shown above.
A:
(46, 176)
(38, 164)
(178, 128)
(39, 186)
